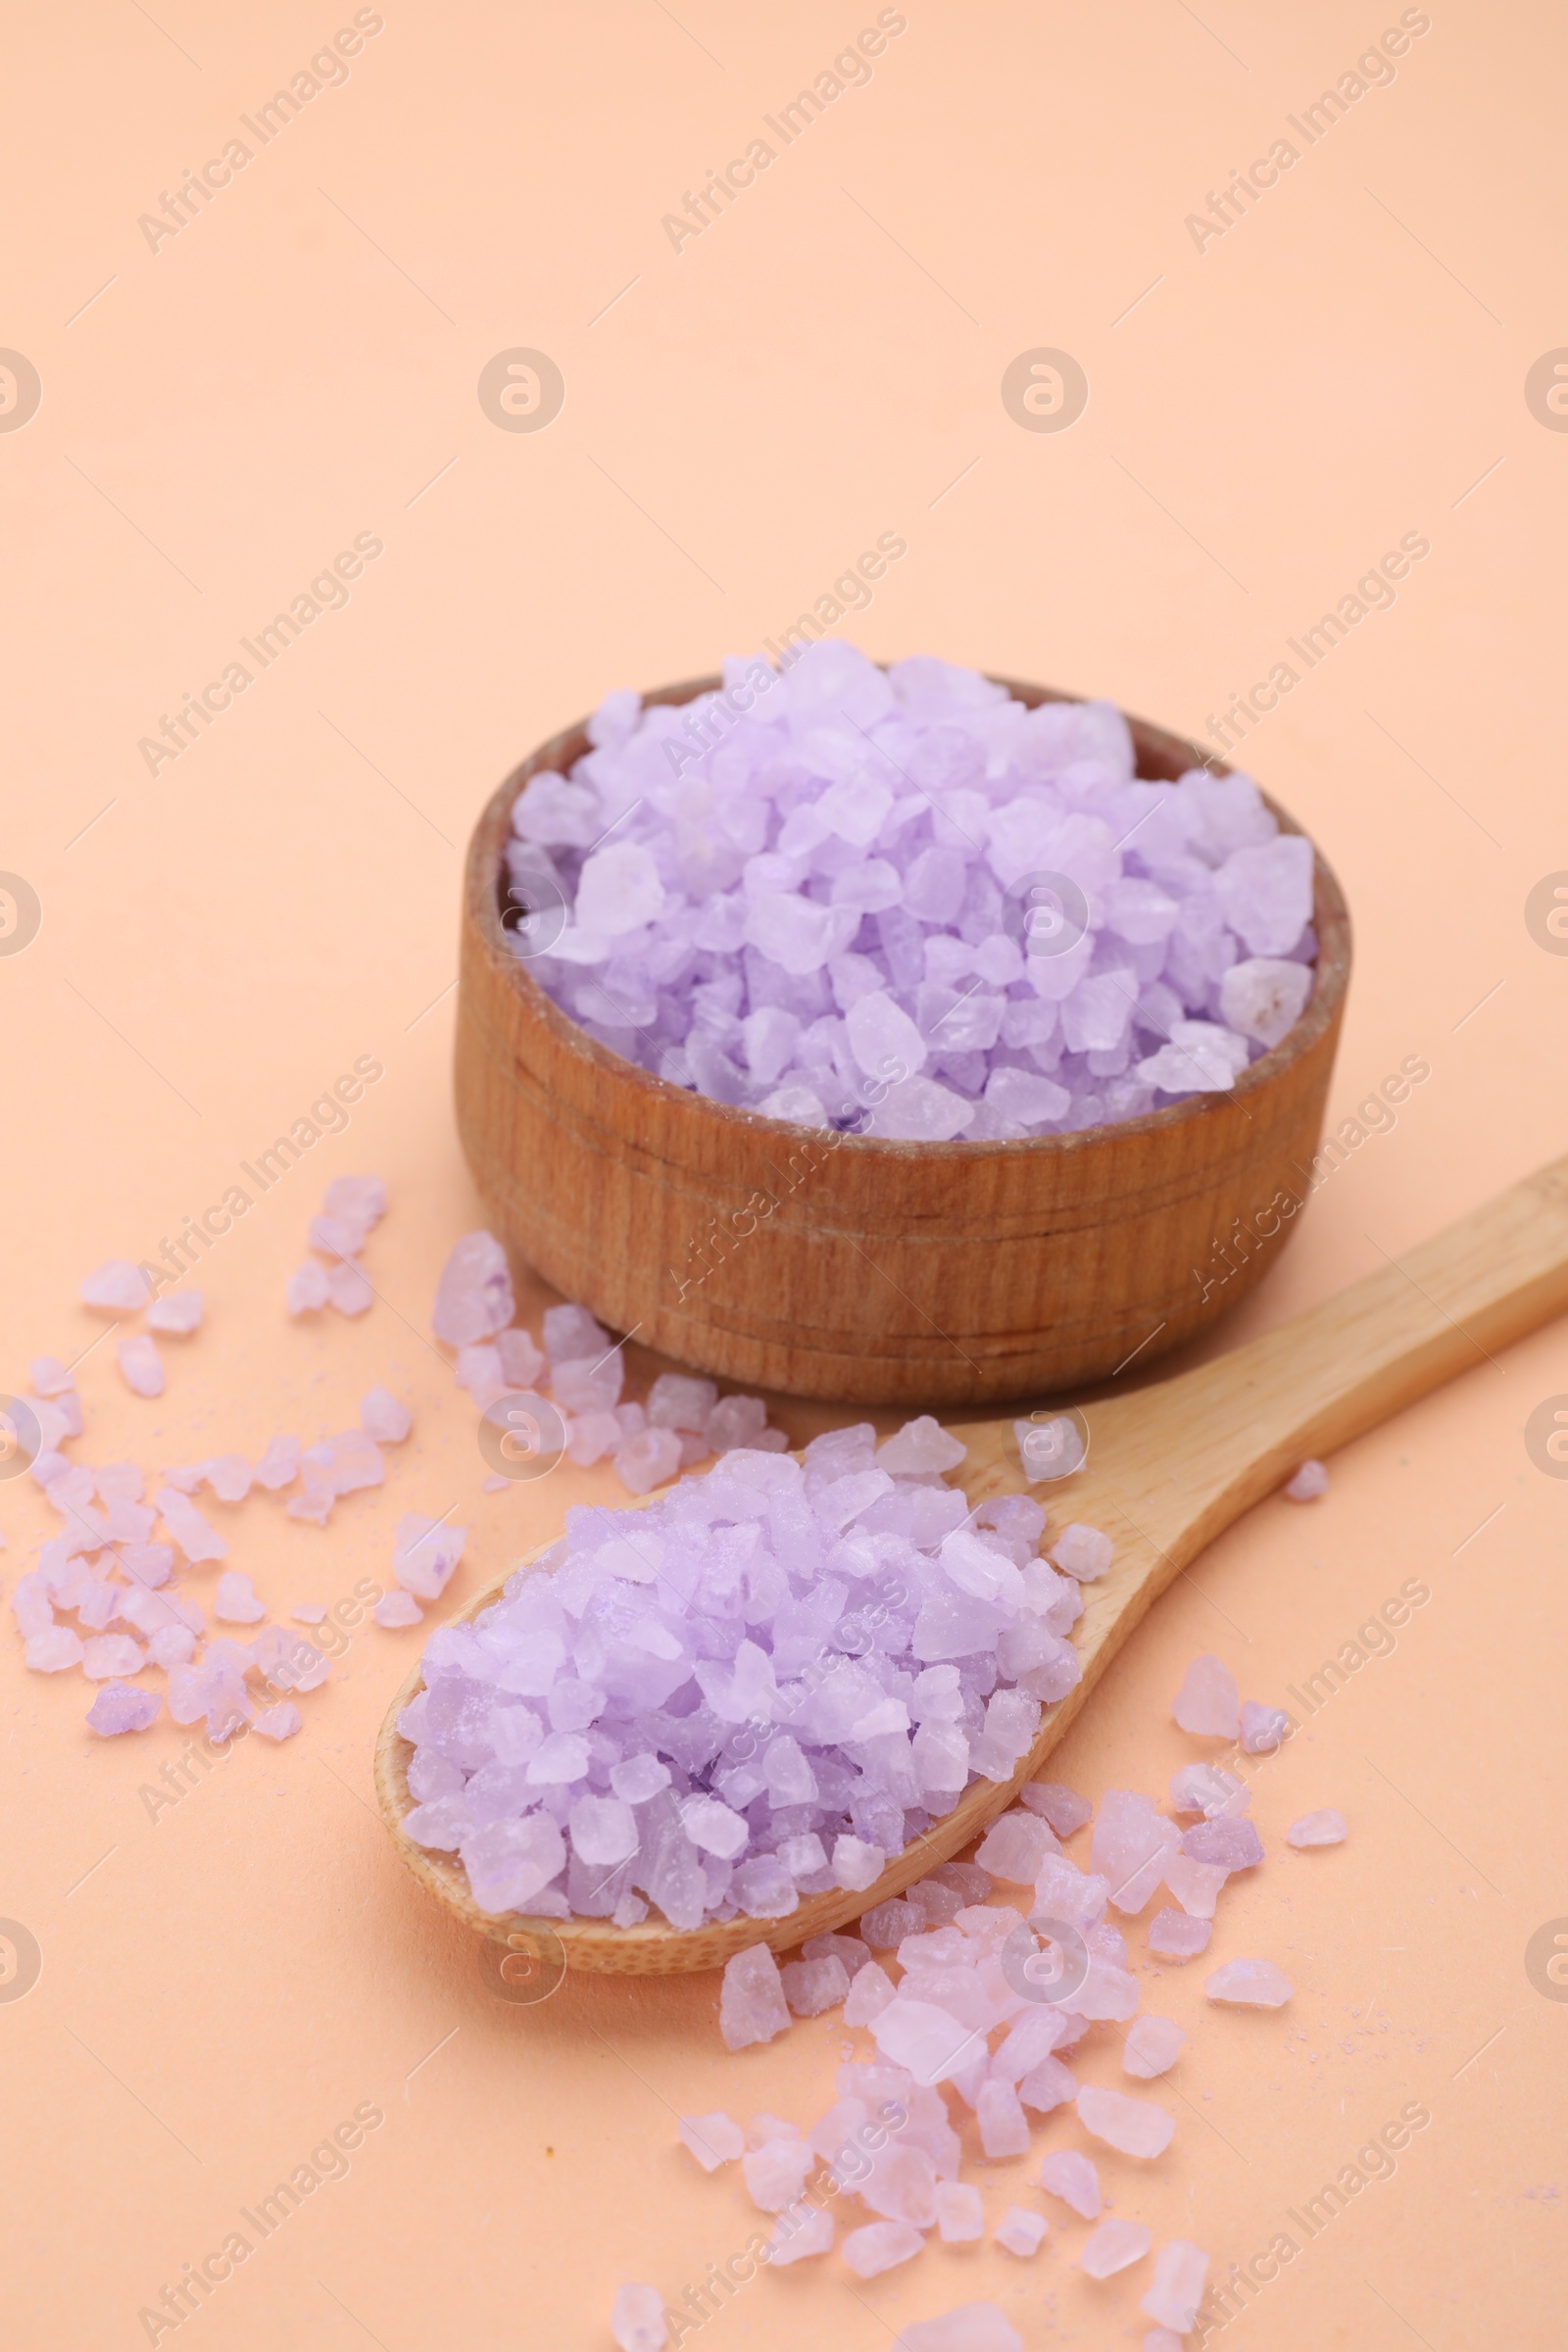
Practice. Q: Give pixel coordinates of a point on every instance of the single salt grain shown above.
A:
(178, 1314)
(308, 1612)
(53, 1648)
(1226, 1839)
(112, 1653)
(1016, 1846)
(1073, 2179)
(425, 1554)
(1162, 2339)
(1262, 997)
(361, 1201)
(648, 1459)
(1262, 1728)
(1113, 2246)
(306, 1291)
(50, 1378)
(278, 1723)
(968, 2327)
(383, 1418)
(1082, 1552)
(234, 1602)
(279, 1464)
(713, 2140)
(348, 1288)
(855, 1863)
(1137, 2127)
(637, 2320)
(868, 1995)
(812, 1985)
(139, 1366)
(190, 1531)
(797, 2235)
(122, 1707)
(473, 1297)
(1318, 1829)
(228, 1475)
(1153, 2044)
(1206, 1703)
(1180, 2269)
(394, 1610)
(1175, 1935)
(960, 2216)
(1061, 1807)
(920, 1447)
(1021, 2232)
(1251, 1983)
(116, 1287)
(879, 2246)
(777, 2170)
(752, 2004)
(1308, 1484)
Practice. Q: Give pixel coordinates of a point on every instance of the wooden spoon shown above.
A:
(1168, 1467)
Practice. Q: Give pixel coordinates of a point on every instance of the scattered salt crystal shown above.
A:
(139, 1366)
(52, 1649)
(879, 2246)
(1112, 2246)
(308, 1612)
(1262, 1728)
(1061, 1807)
(960, 2216)
(178, 1315)
(1003, 2124)
(116, 1287)
(1016, 1846)
(571, 1334)
(1226, 1839)
(361, 1201)
(234, 1602)
(1137, 2127)
(1253, 1984)
(1162, 2339)
(1130, 1843)
(812, 1985)
(777, 2170)
(920, 1447)
(1153, 2044)
(1196, 1885)
(649, 1459)
(797, 2235)
(383, 1418)
(1207, 1789)
(425, 1553)
(473, 1297)
(348, 1288)
(122, 1707)
(112, 1653)
(1021, 2232)
(677, 1401)
(868, 1995)
(190, 1531)
(1318, 1829)
(1206, 1703)
(278, 1723)
(1308, 1484)
(968, 2327)
(713, 2140)
(1073, 2179)
(521, 1362)
(752, 2004)
(279, 1464)
(306, 1292)
(228, 1475)
(855, 1863)
(1180, 2269)
(50, 1378)
(394, 1610)
(637, 2320)
(1082, 1552)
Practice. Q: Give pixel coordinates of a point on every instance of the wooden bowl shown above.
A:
(855, 1268)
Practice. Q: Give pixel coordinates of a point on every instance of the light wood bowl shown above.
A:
(928, 1274)
(1169, 1466)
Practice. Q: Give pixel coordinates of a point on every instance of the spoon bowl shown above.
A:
(1168, 1467)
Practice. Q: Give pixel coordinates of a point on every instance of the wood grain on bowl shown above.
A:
(854, 1268)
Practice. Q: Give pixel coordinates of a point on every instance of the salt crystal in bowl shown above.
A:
(853, 1266)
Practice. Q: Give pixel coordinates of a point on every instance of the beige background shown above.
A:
(220, 417)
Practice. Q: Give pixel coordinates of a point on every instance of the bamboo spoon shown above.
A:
(1168, 1467)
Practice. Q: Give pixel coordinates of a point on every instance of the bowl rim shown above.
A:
(484, 867)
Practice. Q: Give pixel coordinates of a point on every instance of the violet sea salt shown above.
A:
(758, 1688)
(904, 903)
